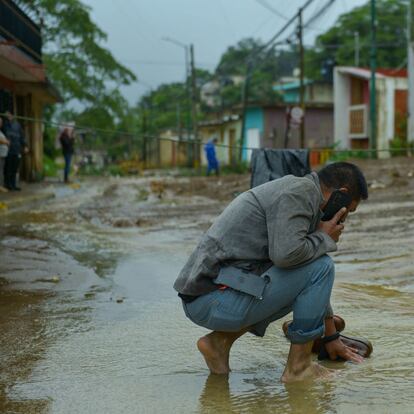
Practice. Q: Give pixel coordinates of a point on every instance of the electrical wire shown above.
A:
(267, 6)
(319, 13)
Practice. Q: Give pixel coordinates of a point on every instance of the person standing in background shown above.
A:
(14, 133)
(212, 162)
(4, 149)
(67, 141)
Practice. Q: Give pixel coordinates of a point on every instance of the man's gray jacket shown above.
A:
(275, 223)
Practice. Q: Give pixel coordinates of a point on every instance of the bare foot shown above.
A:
(313, 370)
(300, 366)
(215, 350)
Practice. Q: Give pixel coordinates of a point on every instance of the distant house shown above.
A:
(210, 91)
(314, 91)
(266, 126)
(227, 129)
(174, 150)
(24, 86)
(352, 107)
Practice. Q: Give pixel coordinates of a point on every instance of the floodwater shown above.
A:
(89, 321)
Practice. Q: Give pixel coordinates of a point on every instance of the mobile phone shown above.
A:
(337, 200)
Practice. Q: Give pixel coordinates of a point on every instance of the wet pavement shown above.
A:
(89, 321)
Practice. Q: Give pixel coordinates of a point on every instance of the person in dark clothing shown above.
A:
(67, 141)
(15, 134)
(4, 149)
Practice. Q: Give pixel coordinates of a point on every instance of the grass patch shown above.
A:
(50, 167)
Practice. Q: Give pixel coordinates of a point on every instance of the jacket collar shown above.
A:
(313, 176)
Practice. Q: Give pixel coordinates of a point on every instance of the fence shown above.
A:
(158, 151)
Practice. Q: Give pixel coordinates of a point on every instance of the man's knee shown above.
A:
(327, 262)
(325, 267)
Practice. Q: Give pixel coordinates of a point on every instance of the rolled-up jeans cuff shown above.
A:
(300, 337)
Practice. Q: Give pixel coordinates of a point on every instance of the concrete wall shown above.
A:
(254, 123)
(318, 128)
(228, 134)
(386, 111)
(319, 93)
(342, 100)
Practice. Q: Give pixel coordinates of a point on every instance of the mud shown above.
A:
(89, 322)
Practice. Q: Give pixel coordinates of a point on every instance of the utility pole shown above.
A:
(410, 65)
(249, 69)
(196, 154)
(372, 95)
(302, 74)
(356, 47)
(178, 118)
(187, 87)
(144, 137)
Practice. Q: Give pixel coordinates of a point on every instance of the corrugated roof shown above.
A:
(290, 85)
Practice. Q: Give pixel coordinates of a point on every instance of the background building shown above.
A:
(24, 87)
(352, 108)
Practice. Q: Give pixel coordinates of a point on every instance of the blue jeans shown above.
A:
(68, 160)
(305, 290)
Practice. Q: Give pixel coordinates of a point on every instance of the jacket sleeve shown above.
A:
(289, 222)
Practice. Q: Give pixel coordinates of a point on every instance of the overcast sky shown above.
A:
(135, 29)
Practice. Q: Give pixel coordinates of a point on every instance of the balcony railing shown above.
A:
(358, 121)
(19, 30)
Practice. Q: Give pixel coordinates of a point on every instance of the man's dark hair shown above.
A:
(345, 174)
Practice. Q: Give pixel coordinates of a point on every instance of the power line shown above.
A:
(288, 23)
(267, 6)
(320, 12)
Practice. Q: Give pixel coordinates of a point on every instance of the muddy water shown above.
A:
(117, 341)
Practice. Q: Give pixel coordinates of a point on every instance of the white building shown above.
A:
(352, 108)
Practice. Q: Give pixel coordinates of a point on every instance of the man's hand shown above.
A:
(337, 349)
(331, 227)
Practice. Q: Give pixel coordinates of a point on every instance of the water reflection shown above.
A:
(228, 394)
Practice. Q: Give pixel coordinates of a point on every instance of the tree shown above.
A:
(338, 44)
(167, 106)
(77, 63)
(268, 65)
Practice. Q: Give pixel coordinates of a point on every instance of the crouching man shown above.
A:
(266, 256)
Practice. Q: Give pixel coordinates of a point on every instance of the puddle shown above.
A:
(113, 337)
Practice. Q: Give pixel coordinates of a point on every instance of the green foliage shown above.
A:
(266, 68)
(50, 167)
(168, 106)
(400, 146)
(238, 168)
(338, 42)
(77, 63)
(349, 154)
(234, 59)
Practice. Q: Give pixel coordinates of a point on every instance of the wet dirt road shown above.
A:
(89, 321)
